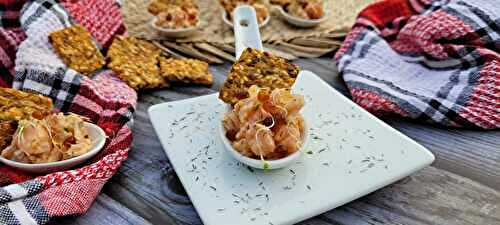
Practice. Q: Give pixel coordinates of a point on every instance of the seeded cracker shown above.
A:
(259, 68)
(77, 50)
(17, 105)
(136, 62)
(186, 70)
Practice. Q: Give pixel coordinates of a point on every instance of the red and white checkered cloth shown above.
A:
(28, 62)
(435, 61)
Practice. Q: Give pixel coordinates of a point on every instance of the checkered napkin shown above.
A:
(28, 63)
(435, 61)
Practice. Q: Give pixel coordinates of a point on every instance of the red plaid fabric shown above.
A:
(27, 62)
(103, 29)
(10, 38)
(434, 61)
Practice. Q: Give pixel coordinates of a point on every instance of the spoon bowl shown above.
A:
(259, 164)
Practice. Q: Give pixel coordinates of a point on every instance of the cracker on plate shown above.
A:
(136, 62)
(259, 68)
(186, 70)
(77, 50)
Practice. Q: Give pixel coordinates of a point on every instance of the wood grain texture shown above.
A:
(430, 196)
(455, 191)
(104, 210)
(469, 153)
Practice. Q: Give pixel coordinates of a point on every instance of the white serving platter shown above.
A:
(352, 153)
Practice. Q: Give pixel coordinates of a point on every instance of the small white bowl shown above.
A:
(98, 138)
(230, 23)
(256, 163)
(301, 22)
(175, 33)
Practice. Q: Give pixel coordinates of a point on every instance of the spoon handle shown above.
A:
(246, 29)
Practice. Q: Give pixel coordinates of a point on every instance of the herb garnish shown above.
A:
(266, 166)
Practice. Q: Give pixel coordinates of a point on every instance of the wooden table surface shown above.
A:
(461, 187)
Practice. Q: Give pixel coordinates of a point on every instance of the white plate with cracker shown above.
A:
(351, 153)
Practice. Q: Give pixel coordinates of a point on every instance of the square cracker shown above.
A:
(186, 70)
(259, 68)
(136, 62)
(16, 105)
(77, 50)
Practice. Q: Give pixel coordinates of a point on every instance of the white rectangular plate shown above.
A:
(353, 154)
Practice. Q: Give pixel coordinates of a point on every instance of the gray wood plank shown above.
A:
(431, 196)
(470, 153)
(104, 210)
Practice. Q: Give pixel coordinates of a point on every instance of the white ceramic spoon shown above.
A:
(247, 35)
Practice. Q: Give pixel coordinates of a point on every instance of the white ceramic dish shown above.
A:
(229, 23)
(175, 33)
(258, 164)
(353, 153)
(300, 22)
(98, 138)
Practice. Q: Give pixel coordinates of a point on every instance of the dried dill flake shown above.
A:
(266, 166)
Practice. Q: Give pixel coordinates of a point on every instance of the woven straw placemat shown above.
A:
(214, 40)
